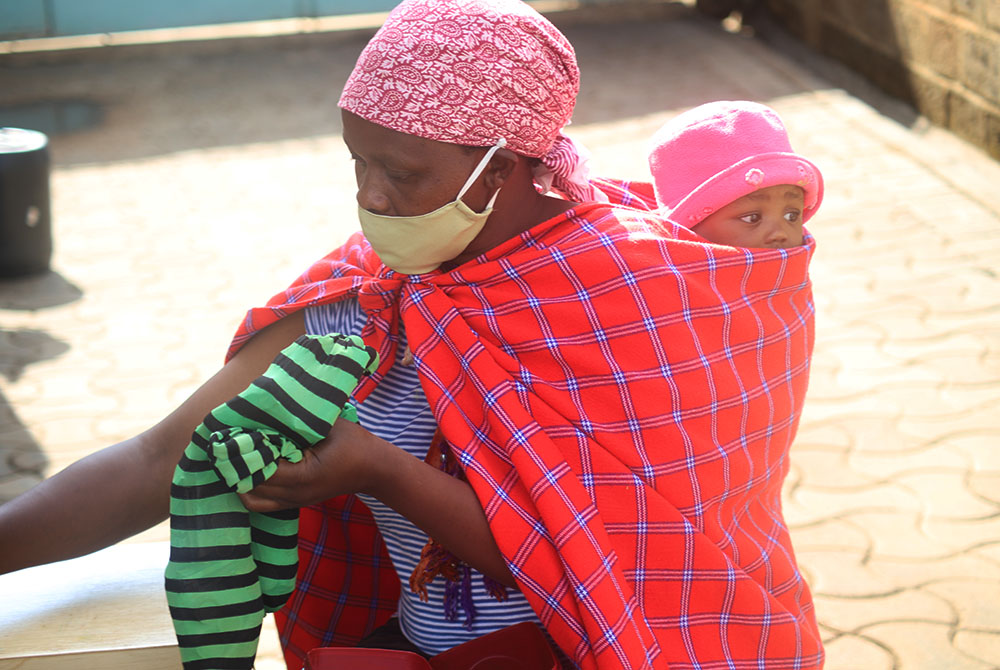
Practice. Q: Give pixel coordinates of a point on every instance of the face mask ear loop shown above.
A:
(501, 143)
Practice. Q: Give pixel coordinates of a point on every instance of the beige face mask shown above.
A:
(417, 244)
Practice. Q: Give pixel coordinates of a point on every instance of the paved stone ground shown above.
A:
(217, 174)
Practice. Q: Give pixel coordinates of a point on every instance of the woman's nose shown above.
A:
(371, 196)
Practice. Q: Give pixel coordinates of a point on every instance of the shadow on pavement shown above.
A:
(22, 460)
(49, 289)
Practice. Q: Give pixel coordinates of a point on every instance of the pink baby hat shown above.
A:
(718, 152)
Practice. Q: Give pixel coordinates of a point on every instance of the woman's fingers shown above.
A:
(278, 492)
(257, 503)
(332, 467)
(292, 485)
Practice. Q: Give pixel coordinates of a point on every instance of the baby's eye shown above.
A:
(752, 218)
(793, 216)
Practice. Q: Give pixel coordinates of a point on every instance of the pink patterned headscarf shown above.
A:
(470, 72)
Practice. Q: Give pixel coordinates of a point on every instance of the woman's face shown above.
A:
(405, 175)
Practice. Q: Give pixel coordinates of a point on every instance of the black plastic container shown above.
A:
(25, 209)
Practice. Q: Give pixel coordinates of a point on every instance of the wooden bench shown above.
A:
(106, 611)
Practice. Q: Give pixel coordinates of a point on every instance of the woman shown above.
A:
(617, 399)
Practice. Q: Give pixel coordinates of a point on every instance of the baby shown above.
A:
(727, 171)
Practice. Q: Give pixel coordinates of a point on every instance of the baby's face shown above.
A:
(767, 218)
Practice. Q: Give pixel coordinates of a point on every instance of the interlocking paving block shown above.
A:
(911, 573)
(969, 248)
(980, 446)
(926, 351)
(865, 367)
(985, 486)
(828, 534)
(922, 645)
(873, 427)
(829, 436)
(989, 550)
(933, 454)
(826, 469)
(823, 381)
(953, 535)
(981, 645)
(930, 403)
(863, 613)
(896, 534)
(973, 425)
(846, 651)
(973, 599)
(884, 495)
(64, 436)
(945, 494)
(963, 291)
(842, 574)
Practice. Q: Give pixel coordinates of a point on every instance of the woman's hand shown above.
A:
(341, 463)
(353, 460)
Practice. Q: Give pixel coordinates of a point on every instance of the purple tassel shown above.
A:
(450, 600)
(467, 604)
(459, 593)
(495, 589)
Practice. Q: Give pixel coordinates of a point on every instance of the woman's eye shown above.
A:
(396, 175)
(793, 216)
(751, 218)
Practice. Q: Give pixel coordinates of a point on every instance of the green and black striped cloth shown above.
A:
(229, 566)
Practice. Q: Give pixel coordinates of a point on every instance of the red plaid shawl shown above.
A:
(623, 400)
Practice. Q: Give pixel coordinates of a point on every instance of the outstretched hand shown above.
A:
(340, 464)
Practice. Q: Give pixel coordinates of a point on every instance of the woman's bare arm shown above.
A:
(123, 489)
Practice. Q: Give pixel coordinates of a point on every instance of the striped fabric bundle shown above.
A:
(622, 397)
(229, 566)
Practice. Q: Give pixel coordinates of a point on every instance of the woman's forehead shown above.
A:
(375, 142)
(362, 131)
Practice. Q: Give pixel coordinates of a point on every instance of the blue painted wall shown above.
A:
(22, 18)
(48, 18)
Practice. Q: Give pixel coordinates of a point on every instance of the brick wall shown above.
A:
(942, 56)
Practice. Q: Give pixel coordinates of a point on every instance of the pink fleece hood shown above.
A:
(718, 152)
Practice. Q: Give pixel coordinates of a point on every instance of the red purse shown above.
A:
(522, 646)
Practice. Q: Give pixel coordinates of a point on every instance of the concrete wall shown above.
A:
(942, 56)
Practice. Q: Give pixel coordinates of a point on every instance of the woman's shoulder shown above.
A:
(635, 194)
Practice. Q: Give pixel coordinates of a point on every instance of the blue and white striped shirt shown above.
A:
(397, 411)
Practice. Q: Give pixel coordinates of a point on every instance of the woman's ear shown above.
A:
(500, 167)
